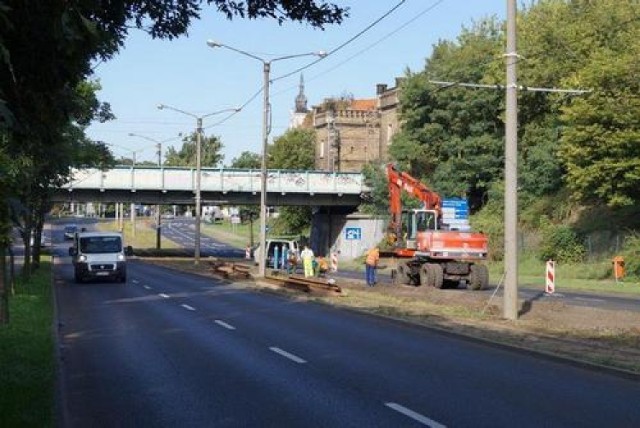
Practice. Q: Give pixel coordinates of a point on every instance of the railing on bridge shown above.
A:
(167, 179)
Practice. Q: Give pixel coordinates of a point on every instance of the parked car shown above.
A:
(70, 231)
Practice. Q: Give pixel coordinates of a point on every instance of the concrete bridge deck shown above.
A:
(219, 186)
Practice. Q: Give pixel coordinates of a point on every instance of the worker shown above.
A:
(371, 263)
(307, 261)
(320, 266)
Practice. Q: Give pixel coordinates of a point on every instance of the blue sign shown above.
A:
(455, 209)
(353, 233)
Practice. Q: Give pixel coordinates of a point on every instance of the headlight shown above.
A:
(82, 258)
(120, 257)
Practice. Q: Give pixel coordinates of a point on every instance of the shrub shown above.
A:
(560, 242)
(631, 254)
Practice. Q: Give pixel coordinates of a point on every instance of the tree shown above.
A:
(452, 137)
(247, 160)
(295, 149)
(41, 80)
(211, 152)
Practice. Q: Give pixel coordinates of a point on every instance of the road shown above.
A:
(172, 349)
(182, 231)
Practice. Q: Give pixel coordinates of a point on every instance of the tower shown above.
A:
(301, 110)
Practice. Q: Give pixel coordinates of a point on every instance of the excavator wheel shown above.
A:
(437, 275)
(478, 277)
(431, 275)
(403, 276)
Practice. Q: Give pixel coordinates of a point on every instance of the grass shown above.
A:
(590, 276)
(238, 235)
(145, 234)
(26, 354)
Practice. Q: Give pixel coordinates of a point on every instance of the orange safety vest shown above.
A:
(373, 256)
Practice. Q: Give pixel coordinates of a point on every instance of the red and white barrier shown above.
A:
(550, 286)
(334, 262)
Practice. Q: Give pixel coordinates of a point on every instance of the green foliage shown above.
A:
(631, 254)
(376, 178)
(211, 152)
(490, 221)
(247, 160)
(560, 243)
(293, 150)
(26, 355)
(452, 137)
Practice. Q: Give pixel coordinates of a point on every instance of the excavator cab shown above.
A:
(417, 221)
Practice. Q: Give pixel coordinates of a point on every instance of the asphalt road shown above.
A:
(172, 349)
(182, 232)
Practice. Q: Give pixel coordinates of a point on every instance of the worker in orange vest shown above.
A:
(371, 263)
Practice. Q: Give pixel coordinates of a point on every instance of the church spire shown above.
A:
(301, 99)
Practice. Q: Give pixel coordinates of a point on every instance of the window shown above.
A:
(100, 244)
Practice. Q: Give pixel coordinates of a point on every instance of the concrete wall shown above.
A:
(329, 234)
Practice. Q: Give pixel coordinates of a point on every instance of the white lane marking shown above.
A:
(146, 287)
(224, 324)
(589, 299)
(166, 296)
(187, 307)
(135, 281)
(414, 415)
(287, 355)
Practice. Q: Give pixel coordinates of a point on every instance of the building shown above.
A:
(353, 132)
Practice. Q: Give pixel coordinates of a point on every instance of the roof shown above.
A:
(91, 234)
(364, 104)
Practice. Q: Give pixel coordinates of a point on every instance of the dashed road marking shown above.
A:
(166, 296)
(146, 287)
(135, 281)
(187, 307)
(414, 415)
(224, 324)
(287, 355)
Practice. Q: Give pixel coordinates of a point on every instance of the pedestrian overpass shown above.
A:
(219, 186)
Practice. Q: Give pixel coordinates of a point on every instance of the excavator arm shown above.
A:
(399, 181)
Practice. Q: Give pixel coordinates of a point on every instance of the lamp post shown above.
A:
(196, 253)
(266, 69)
(159, 152)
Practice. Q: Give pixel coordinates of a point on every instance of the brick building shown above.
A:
(352, 132)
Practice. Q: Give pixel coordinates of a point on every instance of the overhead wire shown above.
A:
(339, 47)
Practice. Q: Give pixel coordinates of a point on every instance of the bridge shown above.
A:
(219, 186)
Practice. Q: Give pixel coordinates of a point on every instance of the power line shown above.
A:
(502, 87)
(377, 42)
(331, 52)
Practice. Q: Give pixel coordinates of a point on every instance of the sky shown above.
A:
(188, 75)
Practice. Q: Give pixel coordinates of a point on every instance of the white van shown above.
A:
(291, 244)
(99, 255)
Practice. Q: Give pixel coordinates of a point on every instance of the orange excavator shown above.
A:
(432, 253)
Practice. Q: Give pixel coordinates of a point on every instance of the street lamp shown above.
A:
(198, 166)
(266, 67)
(159, 152)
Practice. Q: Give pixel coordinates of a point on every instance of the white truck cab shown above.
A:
(99, 255)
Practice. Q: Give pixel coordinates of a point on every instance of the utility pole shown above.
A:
(158, 216)
(510, 303)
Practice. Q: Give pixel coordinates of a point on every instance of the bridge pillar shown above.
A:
(326, 227)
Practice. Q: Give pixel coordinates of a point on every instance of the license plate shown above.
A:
(102, 273)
